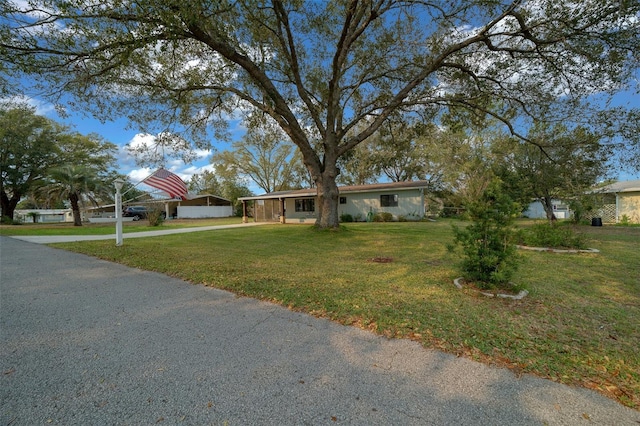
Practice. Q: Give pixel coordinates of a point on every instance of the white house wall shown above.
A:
(198, 212)
(410, 203)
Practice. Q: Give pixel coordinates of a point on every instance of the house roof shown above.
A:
(159, 200)
(195, 197)
(624, 186)
(312, 192)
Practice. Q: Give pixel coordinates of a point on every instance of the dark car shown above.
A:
(137, 212)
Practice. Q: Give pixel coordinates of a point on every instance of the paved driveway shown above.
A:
(88, 342)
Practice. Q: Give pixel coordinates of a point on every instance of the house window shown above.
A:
(390, 200)
(343, 200)
(306, 205)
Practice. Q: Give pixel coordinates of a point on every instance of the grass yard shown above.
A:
(109, 228)
(579, 325)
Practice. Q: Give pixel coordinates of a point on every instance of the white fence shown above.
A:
(195, 212)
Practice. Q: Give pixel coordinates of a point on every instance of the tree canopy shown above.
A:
(564, 165)
(31, 146)
(27, 149)
(265, 156)
(227, 185)
(75, 183)
(324, 69)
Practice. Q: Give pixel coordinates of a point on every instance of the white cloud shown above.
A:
(137, 175)
(192, 170)
(141, 140)
(41, 107)
(173, 165)
(203, 153)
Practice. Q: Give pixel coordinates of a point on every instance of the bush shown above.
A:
(346, 217)
(6, 220)
(489, 252)
(553, 235)
(155, 215)
(383, 217)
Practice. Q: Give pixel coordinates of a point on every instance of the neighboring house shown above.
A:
(44, 215)
(621, 202)
(536, 210)
(406, 199)
(198, 206)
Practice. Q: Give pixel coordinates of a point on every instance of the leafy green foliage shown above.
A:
(229, 186)
(6, 220)
(383, 217)
(34, 151)
(265, 156)
(155, 214)
(490, 257)
(553, 235)
(34, 216)
(562, 165)
(75, 183)
(624, 220)
(346, 217)
(27, 149)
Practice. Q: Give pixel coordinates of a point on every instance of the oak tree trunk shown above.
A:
(9, 204)
(548, 209)
(327, 197)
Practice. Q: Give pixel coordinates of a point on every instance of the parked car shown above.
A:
(137, 212)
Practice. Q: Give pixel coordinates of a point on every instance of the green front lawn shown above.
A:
(579, 325)
(109, 228)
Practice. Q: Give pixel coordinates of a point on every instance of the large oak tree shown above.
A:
(28, 147)
(31, 146)
(320, 69)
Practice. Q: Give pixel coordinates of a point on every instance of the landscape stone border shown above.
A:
(457, 282)
(553, 250)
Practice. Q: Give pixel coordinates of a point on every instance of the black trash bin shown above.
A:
(596, 221)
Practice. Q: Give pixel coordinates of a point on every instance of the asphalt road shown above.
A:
(88, 342)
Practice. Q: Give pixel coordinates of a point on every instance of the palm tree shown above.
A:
(76, 184)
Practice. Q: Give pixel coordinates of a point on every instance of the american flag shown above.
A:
(168, 182)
